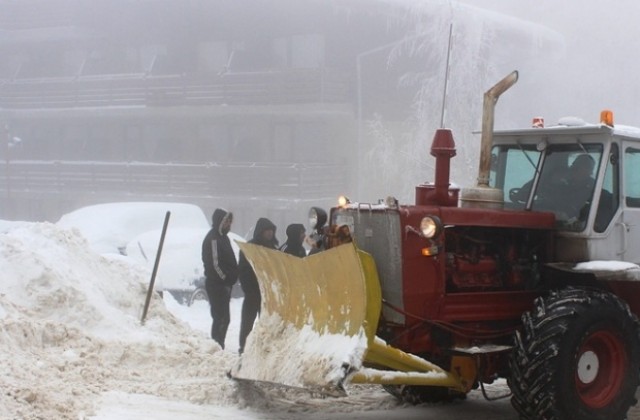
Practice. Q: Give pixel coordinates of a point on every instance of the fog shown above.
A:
(584, 64)
(270, 107)
(599, 67)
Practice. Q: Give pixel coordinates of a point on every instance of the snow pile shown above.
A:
(71, 330)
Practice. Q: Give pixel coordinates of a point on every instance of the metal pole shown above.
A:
(155, 268)
(359, 128)
(446, 79)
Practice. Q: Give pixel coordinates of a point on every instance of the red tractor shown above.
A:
(530, 276)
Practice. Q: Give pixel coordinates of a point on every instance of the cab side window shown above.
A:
(632, 177)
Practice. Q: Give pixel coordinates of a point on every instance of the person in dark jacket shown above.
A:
(317, 240)
(264, 234)
(220, 271)
(295, 237)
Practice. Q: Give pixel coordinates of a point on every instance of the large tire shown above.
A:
(577, 358)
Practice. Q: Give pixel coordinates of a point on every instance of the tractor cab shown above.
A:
(583, 174)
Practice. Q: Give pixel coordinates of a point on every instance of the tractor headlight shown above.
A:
(430, 226)
(343, 200)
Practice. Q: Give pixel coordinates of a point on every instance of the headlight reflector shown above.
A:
(317, 218)
(430, 226)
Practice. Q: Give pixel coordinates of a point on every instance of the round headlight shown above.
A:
(343, 200)
(317, 218)
(430, 226)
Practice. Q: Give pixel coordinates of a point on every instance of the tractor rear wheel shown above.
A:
(578, 357)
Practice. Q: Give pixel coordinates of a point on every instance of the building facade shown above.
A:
(254, 105)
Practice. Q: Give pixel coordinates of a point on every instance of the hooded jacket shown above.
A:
(219, 261)
(245, 271)
(293, 245)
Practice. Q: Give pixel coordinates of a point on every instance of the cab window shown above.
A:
(511, 168)
(632, 177)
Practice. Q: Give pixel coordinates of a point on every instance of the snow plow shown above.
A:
(337, 311)
(530, 276)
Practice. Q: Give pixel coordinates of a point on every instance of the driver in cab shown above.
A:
(572, 194)
(567, 196)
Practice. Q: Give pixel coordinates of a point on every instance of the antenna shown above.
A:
(446, 79)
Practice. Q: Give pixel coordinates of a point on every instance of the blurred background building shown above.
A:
(263, 107)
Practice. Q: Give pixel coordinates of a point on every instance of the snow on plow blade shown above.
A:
(317, 325)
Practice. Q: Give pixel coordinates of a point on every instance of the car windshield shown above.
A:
(560, 179)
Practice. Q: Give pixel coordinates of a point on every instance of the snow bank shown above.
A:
(70, 326)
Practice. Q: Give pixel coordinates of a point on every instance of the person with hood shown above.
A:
(220, 272)
(295, 237)
(264, 234)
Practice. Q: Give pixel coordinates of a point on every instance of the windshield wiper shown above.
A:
(524, 152)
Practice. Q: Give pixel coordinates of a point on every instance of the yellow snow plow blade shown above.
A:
(318, 321)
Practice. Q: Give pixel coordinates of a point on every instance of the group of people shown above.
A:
(221, 270)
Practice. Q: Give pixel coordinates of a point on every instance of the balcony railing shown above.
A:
(251, 180)
(259, 88)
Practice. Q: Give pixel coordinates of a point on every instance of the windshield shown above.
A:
(560, 178)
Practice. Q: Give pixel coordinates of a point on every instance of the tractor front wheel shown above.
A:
(578, 357)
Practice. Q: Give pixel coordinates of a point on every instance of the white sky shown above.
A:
(601, 64)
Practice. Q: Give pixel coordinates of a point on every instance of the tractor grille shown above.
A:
(378, 232)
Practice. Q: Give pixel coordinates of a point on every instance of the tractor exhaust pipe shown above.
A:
(483, 195)
(488, 110)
